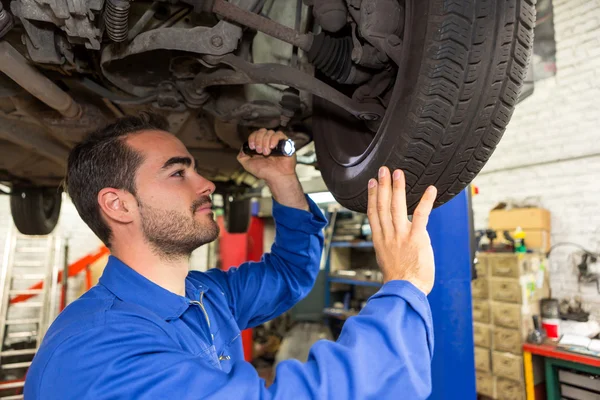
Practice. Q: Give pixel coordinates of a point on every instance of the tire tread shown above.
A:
(472, 69)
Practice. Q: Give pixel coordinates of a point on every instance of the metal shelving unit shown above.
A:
(355, 244)
(350, 281)
(333, 279)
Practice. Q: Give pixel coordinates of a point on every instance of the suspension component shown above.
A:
(116, 18)
(16, 67)
(333, 56)
(330, 14)
(290, 104)
(6, 21)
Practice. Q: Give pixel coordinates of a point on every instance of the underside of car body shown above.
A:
(426, 86)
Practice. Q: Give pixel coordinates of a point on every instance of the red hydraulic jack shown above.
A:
(237, 248)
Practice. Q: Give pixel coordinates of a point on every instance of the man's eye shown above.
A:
(178, 174)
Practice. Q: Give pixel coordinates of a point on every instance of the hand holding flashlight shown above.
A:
(256, 155)
(283, 148)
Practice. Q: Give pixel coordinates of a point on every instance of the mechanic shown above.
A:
(152, 329)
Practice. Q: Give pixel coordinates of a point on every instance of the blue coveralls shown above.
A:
(128, 338)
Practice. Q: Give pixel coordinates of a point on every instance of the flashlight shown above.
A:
(284, 148)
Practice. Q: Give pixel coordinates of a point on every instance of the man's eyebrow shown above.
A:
(187, 161)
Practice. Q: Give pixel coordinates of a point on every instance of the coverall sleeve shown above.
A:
(259, 291)
(383, 353)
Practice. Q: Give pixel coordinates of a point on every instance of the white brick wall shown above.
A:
(551, 149)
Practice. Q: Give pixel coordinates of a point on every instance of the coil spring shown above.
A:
(116, 19)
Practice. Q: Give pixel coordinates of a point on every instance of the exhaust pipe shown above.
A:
(13, 64)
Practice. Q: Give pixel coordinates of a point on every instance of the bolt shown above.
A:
(216, 41)
(284, 120)
(369, 117)
(394, 40)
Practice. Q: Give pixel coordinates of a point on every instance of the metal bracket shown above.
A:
(245, 72)
(252, 20)
(220, 39)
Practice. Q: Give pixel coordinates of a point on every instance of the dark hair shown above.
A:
(103, 159)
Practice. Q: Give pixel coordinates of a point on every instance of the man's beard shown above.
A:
(175, 234)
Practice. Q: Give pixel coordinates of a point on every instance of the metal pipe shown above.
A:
(245, 73)
(13, 64)
(255, 21)
(114, 97)
(143, 21)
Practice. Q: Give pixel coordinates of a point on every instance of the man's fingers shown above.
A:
(372, 210)
(399, 213)
(266, 142)
(421, 214)
(258, 140)
(252, 138)
(276, 138)
(384, 199)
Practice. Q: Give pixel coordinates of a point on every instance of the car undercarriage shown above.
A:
(339, 72)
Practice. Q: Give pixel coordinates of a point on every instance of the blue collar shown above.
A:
(131, 287)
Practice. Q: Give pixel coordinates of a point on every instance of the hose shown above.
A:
(115, 98)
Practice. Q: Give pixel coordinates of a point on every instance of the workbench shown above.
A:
(555, 358)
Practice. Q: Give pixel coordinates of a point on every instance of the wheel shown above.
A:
(463, 65)
(237, 215)
(35, 211)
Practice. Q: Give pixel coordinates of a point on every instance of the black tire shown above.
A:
(35, 211)
(465, 62)
(237, 215)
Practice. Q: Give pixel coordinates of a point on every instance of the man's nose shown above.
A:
(204, 186)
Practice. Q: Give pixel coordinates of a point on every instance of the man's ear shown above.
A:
(117, 205)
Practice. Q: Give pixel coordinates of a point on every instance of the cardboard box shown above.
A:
(526, 218)
(535, 239)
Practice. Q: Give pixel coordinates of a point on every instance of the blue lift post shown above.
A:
(453, 368)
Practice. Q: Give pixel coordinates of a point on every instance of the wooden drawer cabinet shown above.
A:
(482, 335)
(481, 311)
(507, 365)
